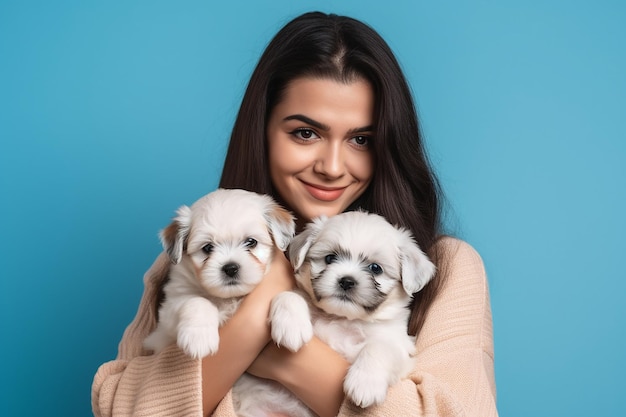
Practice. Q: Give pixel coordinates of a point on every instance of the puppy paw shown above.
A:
(290, 321)
(292, 338)
(198, 341)
(365, 387)
(197, 328)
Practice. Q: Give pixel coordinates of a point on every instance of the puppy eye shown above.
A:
(208, 248)
(330, 258)
(250, 243)
(376, 269)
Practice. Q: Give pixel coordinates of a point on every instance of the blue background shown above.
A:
(112, 114)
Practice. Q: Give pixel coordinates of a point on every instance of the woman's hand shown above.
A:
(314, 374)
(244, 335)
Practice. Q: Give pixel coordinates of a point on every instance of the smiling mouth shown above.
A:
(324, 193)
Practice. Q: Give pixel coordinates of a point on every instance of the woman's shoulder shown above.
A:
(462, 304)
(458, 252)
(462, 266)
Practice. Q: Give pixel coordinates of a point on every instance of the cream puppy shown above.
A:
(358, 273)
(220, 249)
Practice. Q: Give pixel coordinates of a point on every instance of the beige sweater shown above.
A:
(454, 375)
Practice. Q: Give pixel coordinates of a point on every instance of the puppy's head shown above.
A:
(226, 239)
(357, 265)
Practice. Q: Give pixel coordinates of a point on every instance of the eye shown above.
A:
(250, 243)
(330, 258)
(304, 134)
(361, 141)
(375, 268)
(208, 248)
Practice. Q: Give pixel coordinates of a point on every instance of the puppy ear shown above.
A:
(302, 242)
(281, 224)
(174, 236)
(417, 269)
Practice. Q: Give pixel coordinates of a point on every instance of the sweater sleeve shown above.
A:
(139, 384)
(454, 373)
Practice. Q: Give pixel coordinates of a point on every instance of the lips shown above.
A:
(324, 193)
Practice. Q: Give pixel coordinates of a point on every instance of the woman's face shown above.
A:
(319, 138)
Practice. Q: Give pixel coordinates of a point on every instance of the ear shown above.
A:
(174, 236)
(302, 242)
(281, 224)
(417, 269)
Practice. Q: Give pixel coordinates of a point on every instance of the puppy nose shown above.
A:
(231, 269)
(346, 283)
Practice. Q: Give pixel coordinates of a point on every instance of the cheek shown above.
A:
(362, 166)
(285, 159)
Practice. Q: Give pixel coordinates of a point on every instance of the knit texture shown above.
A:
(454, 375)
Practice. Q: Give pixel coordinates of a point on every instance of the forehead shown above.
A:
(328, 100)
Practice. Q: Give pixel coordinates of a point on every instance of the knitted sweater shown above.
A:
(454, 375)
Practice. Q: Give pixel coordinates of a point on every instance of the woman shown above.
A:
(327, 124)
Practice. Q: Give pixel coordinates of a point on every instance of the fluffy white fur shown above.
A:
(220, 249)
(358, 273)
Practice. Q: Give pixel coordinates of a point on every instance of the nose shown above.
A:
(231, 269)
(347, 283)
(330, 162)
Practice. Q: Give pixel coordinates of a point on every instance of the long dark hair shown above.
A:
(404, 188)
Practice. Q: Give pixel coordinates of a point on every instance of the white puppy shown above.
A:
(220, 249)
(359, 273)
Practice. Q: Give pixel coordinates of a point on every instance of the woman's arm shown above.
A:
(244, 335)
(165, 384)
(314, 374)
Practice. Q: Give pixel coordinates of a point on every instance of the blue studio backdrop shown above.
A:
(113, 114)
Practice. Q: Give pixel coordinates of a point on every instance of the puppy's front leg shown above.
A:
(197, 331)
(290, 321)
(371, 374)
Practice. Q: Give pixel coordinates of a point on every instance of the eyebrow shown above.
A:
(323, 126)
